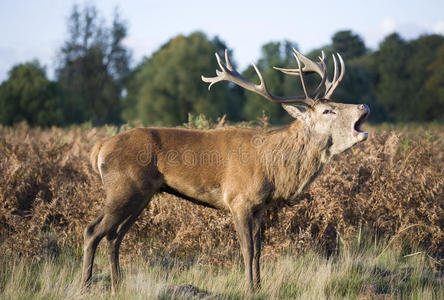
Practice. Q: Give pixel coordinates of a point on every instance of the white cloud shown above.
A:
(387, 26)
(407, 30)
(8, 54)
(374, 35)
(439, 27)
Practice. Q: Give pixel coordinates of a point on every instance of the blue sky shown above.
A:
(37, 29)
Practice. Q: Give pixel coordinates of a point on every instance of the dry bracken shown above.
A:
(393, 185)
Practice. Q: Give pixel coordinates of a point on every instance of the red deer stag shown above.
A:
(239, 170)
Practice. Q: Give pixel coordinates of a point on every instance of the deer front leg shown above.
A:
(243, 222)
(257, 223)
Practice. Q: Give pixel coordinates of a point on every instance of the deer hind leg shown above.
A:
(123, 206)
(93, 234)
(115, 238)
(89, 250)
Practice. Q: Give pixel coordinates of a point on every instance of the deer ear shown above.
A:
(296, 111)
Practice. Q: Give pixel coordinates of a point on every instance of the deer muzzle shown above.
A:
(357, 131)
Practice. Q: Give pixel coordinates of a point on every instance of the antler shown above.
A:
(320, 68)
(330, 86)
(228, 73)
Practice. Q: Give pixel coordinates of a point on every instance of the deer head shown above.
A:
(339, 123)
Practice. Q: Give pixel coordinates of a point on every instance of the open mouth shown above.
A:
(358, 124)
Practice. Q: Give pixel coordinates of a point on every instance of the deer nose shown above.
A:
(364, 107)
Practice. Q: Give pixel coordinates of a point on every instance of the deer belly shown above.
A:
(206, 195)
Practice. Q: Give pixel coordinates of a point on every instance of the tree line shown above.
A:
(403, 80)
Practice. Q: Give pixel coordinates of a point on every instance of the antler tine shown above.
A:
(335, 72)
(220, 62)
(323, 58)
(228, 73)
(342, 68)
(309, 67)
(301, 75)
(336, 79)
(329, 83)
(261, 78)
(324, 76)
(219, 77)
(227, 60)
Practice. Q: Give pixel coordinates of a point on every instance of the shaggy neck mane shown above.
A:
(292, 157)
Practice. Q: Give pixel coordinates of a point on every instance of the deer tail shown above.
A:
(95, 154)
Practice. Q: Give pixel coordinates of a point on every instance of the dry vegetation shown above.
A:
(391, 186)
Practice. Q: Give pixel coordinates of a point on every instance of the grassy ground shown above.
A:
(362, 271)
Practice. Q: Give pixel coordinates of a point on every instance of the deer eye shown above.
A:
(328, 111)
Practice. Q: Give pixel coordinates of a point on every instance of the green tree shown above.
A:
(132, 87)
(348, 44)
(93, 67)
(168, 85)
(435, 86)
(28, 95)
(392, 76)
(402, 69)
(279, 54)
(423, 105)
